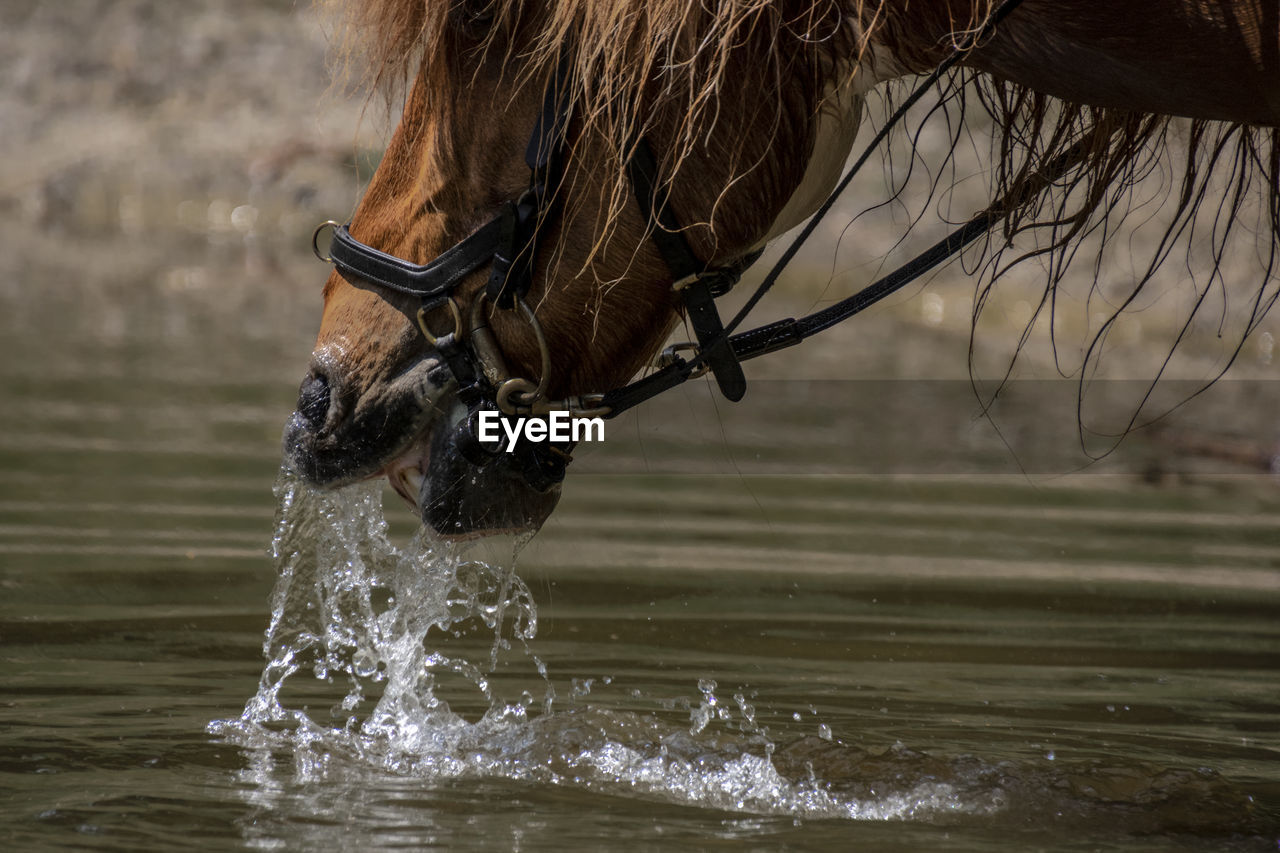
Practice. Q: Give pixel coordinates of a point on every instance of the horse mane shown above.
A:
(1217, 173)
(616, 45)
(1217, 195)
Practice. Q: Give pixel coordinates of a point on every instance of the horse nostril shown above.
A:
(313, 399)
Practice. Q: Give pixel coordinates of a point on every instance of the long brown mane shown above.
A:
(1218, 172)
(1223, 180)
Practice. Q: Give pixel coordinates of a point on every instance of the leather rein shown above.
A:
(509, 245)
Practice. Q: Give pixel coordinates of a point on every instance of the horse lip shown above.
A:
(408, 468)
(327, 457)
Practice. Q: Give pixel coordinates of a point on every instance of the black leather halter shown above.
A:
(509, 245)
(508, 242)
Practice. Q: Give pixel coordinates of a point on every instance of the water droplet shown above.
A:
(364, 664)
(698, 719)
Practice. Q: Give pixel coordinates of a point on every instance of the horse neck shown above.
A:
(1205, 59)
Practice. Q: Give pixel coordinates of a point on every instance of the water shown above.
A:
(336, 565)
(712, 642)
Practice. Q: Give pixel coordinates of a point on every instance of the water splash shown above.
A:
(372, 624)
(364, 615)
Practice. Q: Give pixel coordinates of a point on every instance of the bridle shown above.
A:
(509, 245)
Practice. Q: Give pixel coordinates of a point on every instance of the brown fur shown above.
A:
(728, 91)
(450, 163)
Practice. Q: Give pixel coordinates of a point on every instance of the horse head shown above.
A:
(749, 115)
(665, 140)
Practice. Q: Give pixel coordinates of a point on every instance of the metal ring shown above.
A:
(513, 395)
(454, 310)
(669, 355)
(544, 351)
(509, 389)
(315, 239)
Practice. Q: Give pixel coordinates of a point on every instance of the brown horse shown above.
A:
(751, 107)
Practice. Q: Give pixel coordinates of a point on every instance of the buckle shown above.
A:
(424, 316)
(670, 357)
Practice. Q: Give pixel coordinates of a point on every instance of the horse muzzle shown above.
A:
(414, 430)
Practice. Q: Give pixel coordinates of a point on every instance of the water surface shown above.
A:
(730, 631)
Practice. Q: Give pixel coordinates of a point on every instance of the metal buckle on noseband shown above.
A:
(474, 341)
(424, 326)
(315, 239)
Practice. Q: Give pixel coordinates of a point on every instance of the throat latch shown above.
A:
(697, 285)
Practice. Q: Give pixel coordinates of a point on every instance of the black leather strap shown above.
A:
(689, 272)
(664, 228)
(545, 153)
(508, 241)
(713, 345)
(628, 396)
(789, 332)
(516, 256)
(361, 264)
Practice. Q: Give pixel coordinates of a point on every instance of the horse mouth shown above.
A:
(405, 429)
(459, 499)
(407, 476)
(456, 498)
